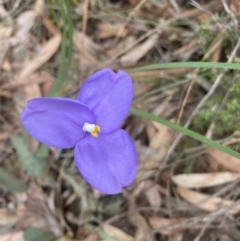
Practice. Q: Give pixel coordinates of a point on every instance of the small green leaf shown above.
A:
(35, 234)
(42, 152)
(31, 164)
(11, 183)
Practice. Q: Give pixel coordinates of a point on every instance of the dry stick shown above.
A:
(191, 223)
(189, 89)
(175, 6)
(211, 218)
(198, 6)
(202, 103)
(204, 228)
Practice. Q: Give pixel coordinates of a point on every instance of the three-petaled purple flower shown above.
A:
(104, 154)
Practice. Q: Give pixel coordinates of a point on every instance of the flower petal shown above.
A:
(71, 109)
(108, 162)
(56, 122)
(52, 130)
(109, 96)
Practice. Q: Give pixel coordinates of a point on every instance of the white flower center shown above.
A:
(91, 128)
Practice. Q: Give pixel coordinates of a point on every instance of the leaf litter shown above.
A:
(168, 201)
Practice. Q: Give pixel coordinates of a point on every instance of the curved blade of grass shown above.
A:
(185, 131)
(66, 49)
(187, 65)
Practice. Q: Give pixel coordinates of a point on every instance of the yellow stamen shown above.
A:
(91, 128)
(96, 131)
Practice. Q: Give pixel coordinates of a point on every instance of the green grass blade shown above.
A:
(187, 65)
(66, 50)
(185, 131)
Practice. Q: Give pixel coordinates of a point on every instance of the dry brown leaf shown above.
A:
(89, 45)
(206, 202)
(66, 238)
(132, 56)
(111, 30)
(163, 225)
(229, 162)
(198, 180)
(6, 29)
(50, 26)
(36, 211)
(203, 17)
(160, 137)
(25, 22)
(39, 7)
(43, 55)
(5, 33)
(235, 6)
(17, 236)
(5, 135)
(7, 217)
(116, 233)
(6, 66)
(177, 237)
(88, 51)
(92, 237)
(187, 50)
(37, 78)
(6, 94)
(124, 43)
(140, 187)
(143, 231)
(153, 196)
(151, 190)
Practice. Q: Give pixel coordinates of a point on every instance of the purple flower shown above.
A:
(104, 154)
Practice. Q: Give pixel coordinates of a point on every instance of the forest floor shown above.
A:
(184, 190)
